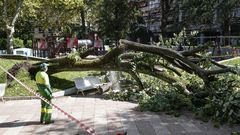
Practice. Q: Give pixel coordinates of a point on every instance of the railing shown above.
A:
(40, 53)
(220, 40)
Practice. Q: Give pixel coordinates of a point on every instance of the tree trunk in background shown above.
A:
(165, 8)
(83, 23)
(10, 22)
(10, 32)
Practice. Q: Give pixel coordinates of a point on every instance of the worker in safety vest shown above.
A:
(45, 91)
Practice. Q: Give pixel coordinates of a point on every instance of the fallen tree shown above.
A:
(135, 58)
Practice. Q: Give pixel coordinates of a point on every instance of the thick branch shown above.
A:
(170, 68)
(195, 50)
(137, 78)
(19, 7)
(163, 52)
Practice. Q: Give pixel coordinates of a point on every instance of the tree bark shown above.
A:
(10, 32)
(10, 24)
(82, 12)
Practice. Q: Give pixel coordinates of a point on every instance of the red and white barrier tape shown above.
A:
(83, 126)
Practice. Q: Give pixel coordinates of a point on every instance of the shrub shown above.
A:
(219, 101)
(168, 98)
(224, 105)
(28, 44)
(18, 43)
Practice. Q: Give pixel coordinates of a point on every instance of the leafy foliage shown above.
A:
(124, 95)
(3, 43)
(181, 38)
(218, 102)
(164, 97)
(210, 12)
(55, 14)
(224, 104)
(72, 58)
(24, 28)
(115, 17)
(18, 43)
(28, 44)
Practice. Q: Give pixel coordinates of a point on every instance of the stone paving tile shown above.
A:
(100, 124)
(162, 130)
(176, 129)
(132, 129)
(159, 129)
(145, 128)
(57, 128)
(21, 117)
(190, 127)
(70, 128)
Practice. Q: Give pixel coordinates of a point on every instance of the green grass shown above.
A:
(233, 61)
(14, 89)
(58, 81)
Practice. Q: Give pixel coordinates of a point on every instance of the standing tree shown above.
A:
(88, 14)
(115, 18)
(55, 14)
(167, 9)
(218, 12)
(48, 14)
(9, 14)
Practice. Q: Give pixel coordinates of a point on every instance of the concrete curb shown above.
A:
(20, 98)
(55, 94)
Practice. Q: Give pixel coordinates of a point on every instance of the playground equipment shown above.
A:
(49, 43)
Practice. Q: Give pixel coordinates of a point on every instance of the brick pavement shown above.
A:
(107, 117)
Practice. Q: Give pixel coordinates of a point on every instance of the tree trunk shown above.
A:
(10, 32)
(83, 23)
(10, 23)
(165, 8)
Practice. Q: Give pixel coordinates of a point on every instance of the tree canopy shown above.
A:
(47, 14)
(115, 18)
(210, 12)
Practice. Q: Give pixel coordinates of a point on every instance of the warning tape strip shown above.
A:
(83, 126)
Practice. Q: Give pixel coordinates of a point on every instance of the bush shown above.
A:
(169, 98)
(224, 103)
(28, 44)
(219, 101)
(18, 43)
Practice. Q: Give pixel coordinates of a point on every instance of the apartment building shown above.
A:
(151, 14)
(154, 11)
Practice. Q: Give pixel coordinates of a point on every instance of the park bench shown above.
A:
(88, 83)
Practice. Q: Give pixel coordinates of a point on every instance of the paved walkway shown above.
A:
(107, 117)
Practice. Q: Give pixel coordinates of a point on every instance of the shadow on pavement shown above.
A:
(17, 124)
